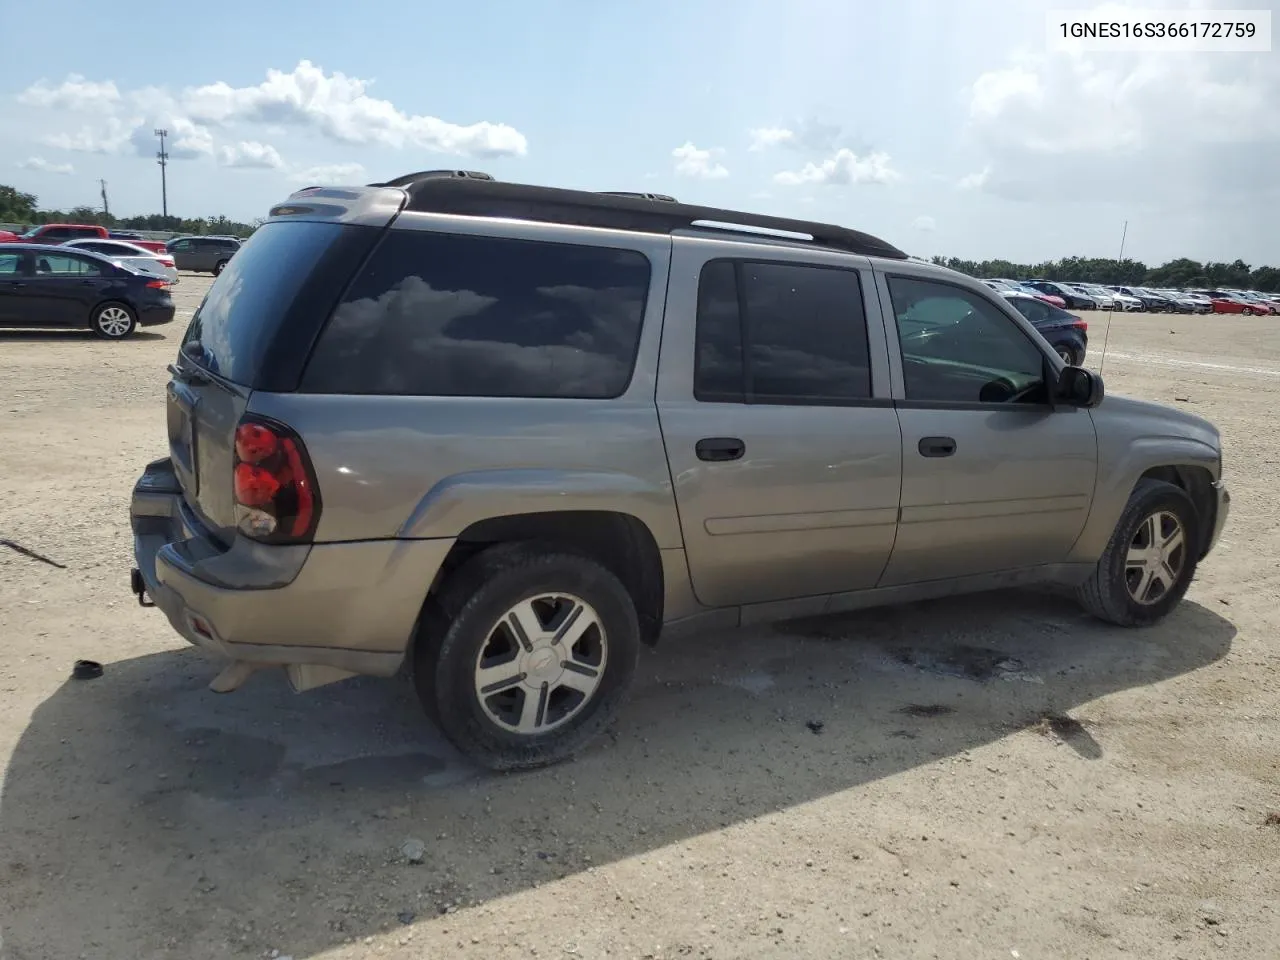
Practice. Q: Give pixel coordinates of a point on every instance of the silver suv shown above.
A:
(504, 435)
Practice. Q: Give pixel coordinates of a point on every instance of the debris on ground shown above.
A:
(815, 726)
(413, 850)
(28, 552)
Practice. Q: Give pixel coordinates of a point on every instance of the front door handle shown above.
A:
(715, 449)
(936, 446)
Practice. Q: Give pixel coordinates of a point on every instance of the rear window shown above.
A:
(252, 326)
(436, 314)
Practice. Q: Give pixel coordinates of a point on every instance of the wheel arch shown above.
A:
(618, 541)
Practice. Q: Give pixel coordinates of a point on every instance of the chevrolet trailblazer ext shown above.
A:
(506, 434)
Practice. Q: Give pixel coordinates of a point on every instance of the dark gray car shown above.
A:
(505, 435)
(203, 254)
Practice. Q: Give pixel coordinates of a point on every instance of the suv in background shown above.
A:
(505, 435)
(203, 254)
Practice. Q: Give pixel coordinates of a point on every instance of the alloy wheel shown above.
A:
(114, 321)
(541, 664)
(1156, 557)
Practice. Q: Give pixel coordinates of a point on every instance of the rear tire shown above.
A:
(494, 627)
(219, 267)
(1150, 560)
(113, 321)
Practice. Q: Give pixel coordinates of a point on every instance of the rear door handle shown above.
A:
(936, 446)
(716, 449)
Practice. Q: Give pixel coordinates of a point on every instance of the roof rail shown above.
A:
(455, 192)
(411, 178)
(640, 196)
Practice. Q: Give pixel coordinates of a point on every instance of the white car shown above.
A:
(130, 255)
(1124, 301)
(1105, 299)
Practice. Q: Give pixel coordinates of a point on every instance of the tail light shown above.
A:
(158, 284)
(1079, 324)
(165, 261)
(276, 497)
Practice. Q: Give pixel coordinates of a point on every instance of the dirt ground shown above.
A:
(994, 776)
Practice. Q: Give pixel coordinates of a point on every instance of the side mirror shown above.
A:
(1080, 387)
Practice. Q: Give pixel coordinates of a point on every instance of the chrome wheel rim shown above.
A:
(114, 321)
(1157, 554)
(541, 664)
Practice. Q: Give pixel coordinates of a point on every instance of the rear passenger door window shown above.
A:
(62, 265)
(435, 314)
(959, 348)
(780, 333)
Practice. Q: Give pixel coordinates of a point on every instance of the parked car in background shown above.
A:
(203, 254)
(132, 255)
(1265, 304)
(1002, 285)
(1105, 299)
(1202, 302)
(61, 232)
(155, 246)
(1151, 302)
(1225, 301)
(1066, 333)
(1070, 297)
(8, 236)
(1184, 303)
(44, 286)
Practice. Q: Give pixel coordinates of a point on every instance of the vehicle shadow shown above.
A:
(46, 336)
(141, 814)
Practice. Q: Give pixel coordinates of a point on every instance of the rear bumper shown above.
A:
(153, 315)
(351, 606)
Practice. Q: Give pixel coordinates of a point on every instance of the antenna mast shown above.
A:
(1102, 362)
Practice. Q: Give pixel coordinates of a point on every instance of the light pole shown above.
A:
(163, 160)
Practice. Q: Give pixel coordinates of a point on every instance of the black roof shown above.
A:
(476, 194)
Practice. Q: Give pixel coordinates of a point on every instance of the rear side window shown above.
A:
(436, 314)
(780, 333)
(262, 312)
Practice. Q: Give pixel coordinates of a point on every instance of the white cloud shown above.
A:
(692, 162)
(44, 166)
(250, 155)
(975, 181)
(845, 167)
(108, 139)
(74, 93)
(927, 224)
(331, 173)
(339, 107)
(762, 138)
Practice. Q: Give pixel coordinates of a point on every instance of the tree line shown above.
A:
(1181, 273)
(23, 208)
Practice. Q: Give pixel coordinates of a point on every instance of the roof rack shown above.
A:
(411, 178)
(639, 196)
(466, 193)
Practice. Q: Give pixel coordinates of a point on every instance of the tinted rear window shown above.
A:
(238, 325)
(438, 314)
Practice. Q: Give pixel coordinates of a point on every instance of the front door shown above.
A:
(780, 432)
(993, 477)
(13, 286)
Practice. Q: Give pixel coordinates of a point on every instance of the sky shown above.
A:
(945, 127)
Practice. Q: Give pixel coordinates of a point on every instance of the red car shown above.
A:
(1224, 302)
(59, 233)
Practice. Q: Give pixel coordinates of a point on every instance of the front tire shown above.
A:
(526, 655)
(113, 321)
(1150, 560)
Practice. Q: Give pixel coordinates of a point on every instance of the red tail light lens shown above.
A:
(158, 284)
(275, 489)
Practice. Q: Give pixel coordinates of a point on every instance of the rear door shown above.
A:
(993, 477)
(182, 253)
(252, 331)
(781, 435)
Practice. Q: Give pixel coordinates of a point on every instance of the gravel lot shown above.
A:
(994, 776)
